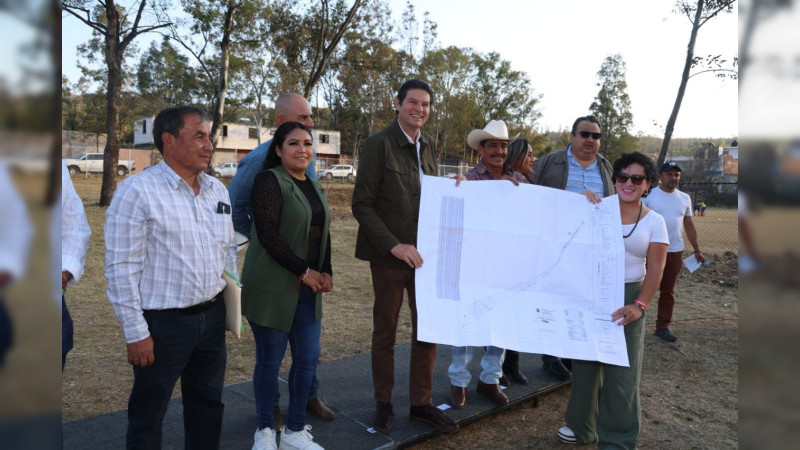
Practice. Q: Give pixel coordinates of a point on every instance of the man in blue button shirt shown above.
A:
(289, 107)
(581, 169)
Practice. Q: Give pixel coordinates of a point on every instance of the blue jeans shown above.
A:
(312, 393)
(491, 363)
(270, 349)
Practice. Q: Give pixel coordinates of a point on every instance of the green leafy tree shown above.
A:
(362, 81)
(505, 94)
(81, 109)
(111, 23)
(450, 72)
(212, 34)
(321, 26)
(613, 107)
(409, 30)
(256, 79)
(164, 77)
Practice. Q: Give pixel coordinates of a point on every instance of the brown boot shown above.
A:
(511, 368)
(319, 409)
(493, 393)
(458, 397)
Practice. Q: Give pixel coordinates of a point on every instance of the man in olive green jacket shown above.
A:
(386, 204)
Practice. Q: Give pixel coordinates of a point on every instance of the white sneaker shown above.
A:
(265, 439)
(566, 435)
(298, 440)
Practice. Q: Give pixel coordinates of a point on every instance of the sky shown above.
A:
(561, 46)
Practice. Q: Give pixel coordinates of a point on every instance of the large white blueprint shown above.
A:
(527, 268)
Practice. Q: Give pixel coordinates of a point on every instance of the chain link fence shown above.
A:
(717, 222)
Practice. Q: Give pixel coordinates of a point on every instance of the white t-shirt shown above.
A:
(651, 228)
(673, 207)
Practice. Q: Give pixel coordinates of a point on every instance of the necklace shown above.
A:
(626, 236)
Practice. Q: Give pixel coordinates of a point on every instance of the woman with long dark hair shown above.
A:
(286, 270)
(520, 158)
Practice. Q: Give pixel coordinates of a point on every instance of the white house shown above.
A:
(238, 139)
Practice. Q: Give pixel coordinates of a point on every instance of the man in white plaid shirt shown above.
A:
(169, 237)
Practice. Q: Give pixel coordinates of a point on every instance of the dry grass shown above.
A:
(717, 230)
(689, 389)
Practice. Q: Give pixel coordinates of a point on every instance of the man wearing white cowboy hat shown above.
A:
(492, 144)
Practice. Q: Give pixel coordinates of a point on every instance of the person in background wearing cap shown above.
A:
(581, 169)
(676, 209)
(492, 145)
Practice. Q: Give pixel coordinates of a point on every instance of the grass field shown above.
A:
(689, 389)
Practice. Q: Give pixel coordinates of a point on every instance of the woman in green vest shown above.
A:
(287, 268)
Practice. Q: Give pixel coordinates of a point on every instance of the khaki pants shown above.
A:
(604, 404)
(388, 285)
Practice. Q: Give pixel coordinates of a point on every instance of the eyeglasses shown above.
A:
(623, 178)
(586, 134)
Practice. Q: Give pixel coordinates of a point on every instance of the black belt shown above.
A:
(200, 307)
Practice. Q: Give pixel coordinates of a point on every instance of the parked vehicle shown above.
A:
(93, 163)
(339, 171)
(226, 169)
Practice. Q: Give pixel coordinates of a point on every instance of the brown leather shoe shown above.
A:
(383, 420)
(276, 414)
(493, 392)
(319, 410)
(434, 417)
(458, 396)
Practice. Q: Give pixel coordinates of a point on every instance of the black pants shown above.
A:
(6, 331)
(192, 348)
(66, 332)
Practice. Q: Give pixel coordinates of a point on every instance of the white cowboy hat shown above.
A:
(495, 129)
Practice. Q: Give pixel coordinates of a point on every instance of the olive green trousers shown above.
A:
(604, 404)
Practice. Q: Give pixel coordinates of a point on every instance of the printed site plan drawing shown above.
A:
(527, 268)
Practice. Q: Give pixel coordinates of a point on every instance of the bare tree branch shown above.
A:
(325, 55)
(100, 28)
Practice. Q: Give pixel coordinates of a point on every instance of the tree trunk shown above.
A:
(684, 81)
(319, 69)
(225, 45)
(53, 186)
(113, 54)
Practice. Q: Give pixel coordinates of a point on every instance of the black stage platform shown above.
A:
(346, 387)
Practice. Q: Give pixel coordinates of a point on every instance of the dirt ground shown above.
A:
(689, 388)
